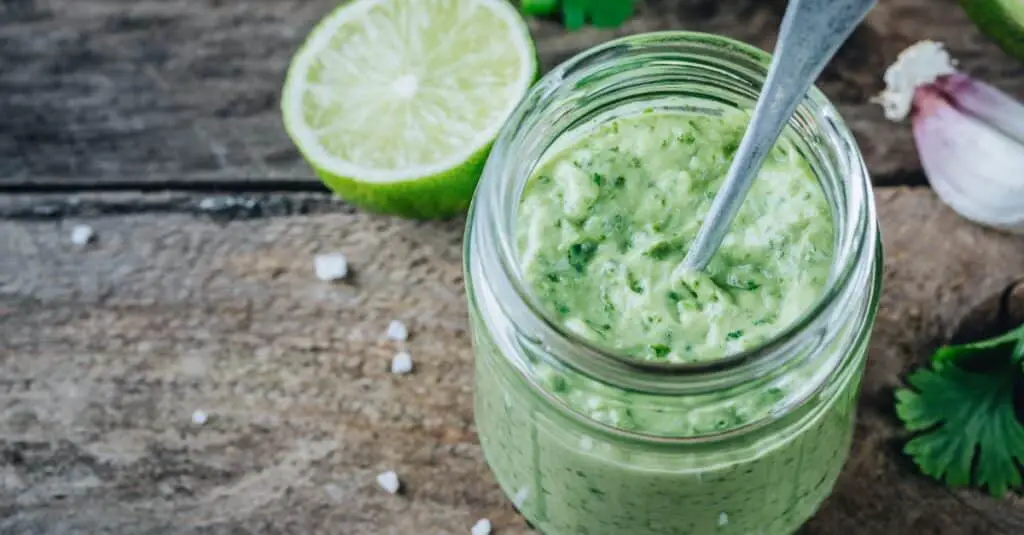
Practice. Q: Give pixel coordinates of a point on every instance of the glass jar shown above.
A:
(757, 439)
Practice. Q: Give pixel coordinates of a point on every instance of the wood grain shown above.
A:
(184, 94)
(106, 350)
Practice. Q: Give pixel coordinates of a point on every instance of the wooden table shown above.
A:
(155, 121)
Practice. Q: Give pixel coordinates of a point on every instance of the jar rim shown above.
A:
(857, 240)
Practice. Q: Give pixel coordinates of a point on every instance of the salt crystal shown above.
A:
(520, 498)
(397, 331)
(331, 266)
(389, 481)
(82, 234)
(401, 363)
(482, 527)
(723, 519)
(200, 417)
(334, 492)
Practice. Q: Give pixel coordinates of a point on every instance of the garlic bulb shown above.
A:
(969, 135)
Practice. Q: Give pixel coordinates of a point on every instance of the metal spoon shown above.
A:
(811, 33)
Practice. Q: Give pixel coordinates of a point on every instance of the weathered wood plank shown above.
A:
(185, 92)
(221, 206)
(105, 352)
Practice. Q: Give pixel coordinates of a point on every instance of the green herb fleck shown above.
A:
(558, 384)
(663, 250)
(729, 149)
(617, 222)
(735, 335)
(580, 254)
(636, 285)
(660, 350)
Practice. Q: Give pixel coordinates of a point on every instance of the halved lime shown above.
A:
(1001, 20)
(395, 103)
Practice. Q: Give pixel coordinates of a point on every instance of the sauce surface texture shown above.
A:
(604, 223)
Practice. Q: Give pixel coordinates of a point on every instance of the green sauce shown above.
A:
(604, 224)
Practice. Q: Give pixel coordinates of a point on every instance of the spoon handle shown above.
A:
(811, 33)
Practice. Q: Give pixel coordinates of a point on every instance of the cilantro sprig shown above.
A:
(963, 410)
(576, 13)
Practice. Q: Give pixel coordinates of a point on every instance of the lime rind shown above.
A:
(440, 196)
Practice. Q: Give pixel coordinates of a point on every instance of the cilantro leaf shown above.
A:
(1018, 352)
(610, 13)
(576, 13)
(968, 429)
(539, 7)
(957, 353)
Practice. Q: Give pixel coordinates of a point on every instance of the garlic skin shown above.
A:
(918, 65)
(969, 135)
(973, 168)
(985, 102)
